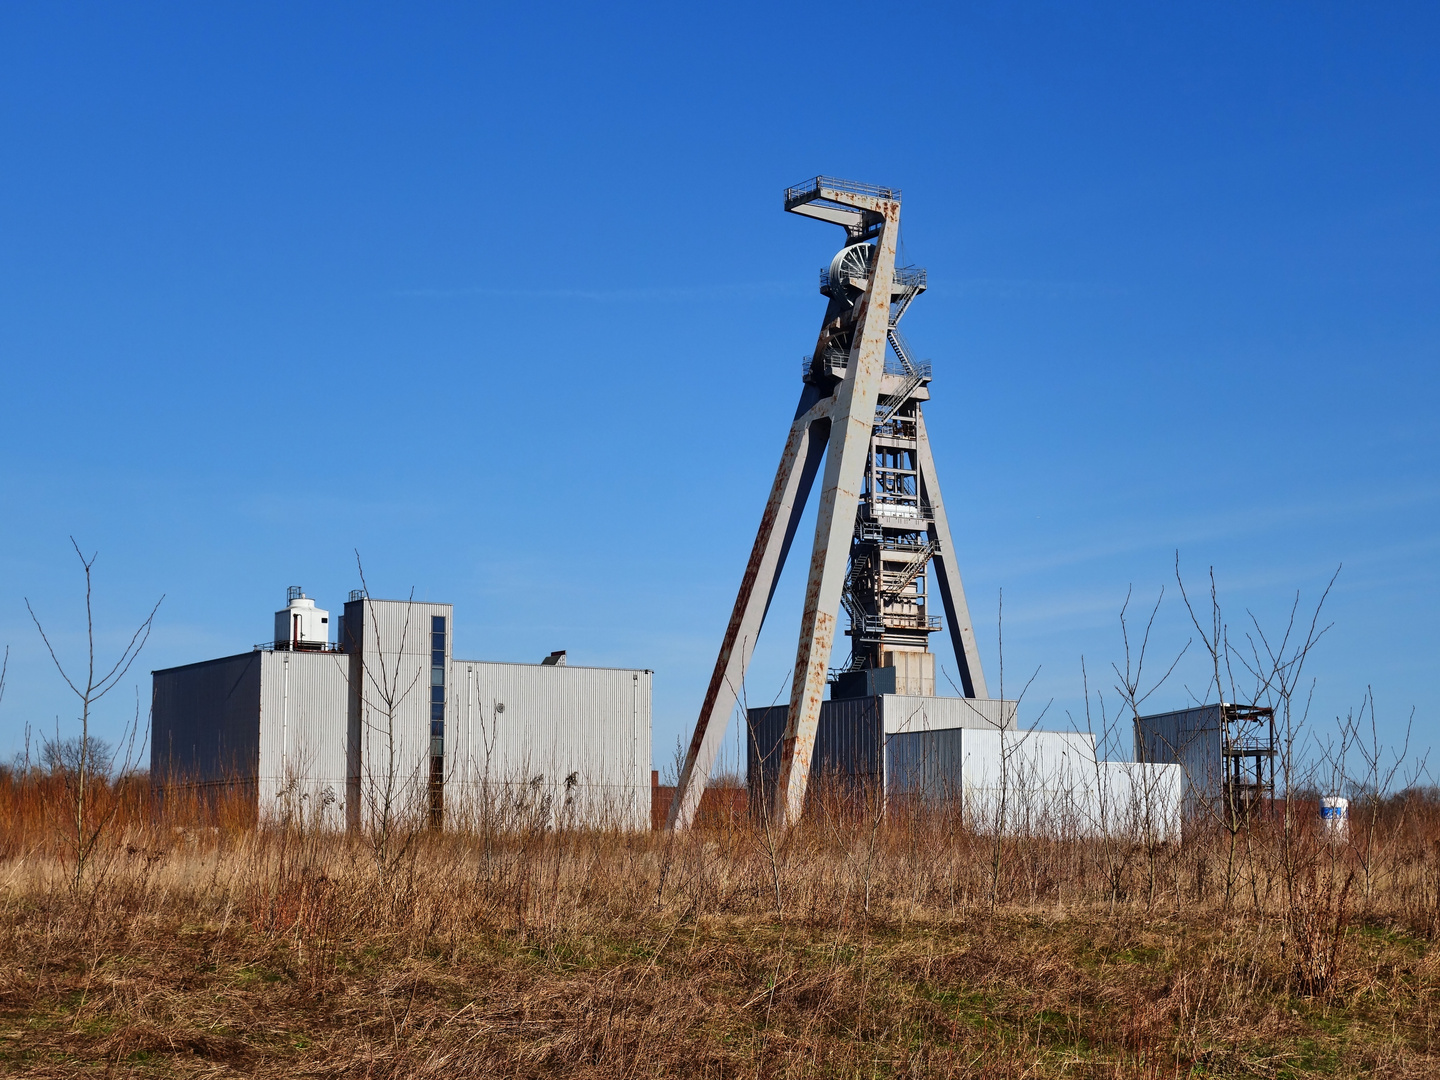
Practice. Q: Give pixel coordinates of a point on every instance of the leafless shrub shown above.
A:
(81, 760)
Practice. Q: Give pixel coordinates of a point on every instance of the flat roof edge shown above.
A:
(553, 667)
(204, 663)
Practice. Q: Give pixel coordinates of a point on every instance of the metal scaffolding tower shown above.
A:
(1247, 740)
(881, 522)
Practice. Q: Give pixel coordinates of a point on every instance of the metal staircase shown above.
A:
(913, 569)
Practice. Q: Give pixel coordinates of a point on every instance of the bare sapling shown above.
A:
(1114, 851)
(1130, 686)
(86, 825)
(1011, 779)
(391, 785)
(1316, 877)
(1215, 639)
(761, 795)
(1376, 778)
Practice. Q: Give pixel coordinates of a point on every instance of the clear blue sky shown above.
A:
(506, 300)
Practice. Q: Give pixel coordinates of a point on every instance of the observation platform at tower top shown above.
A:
(855, 207)
(821, 187)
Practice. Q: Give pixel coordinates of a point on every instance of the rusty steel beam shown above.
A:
(799, 463)
(947, 571)
(852, 422)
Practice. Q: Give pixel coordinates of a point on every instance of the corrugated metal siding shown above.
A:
(398, 627)
(913, 713)
(847, 744)
(1036, 783)
(520, 730)
(926, 764)
(849, 740)
(1140, 800)
(1191, 739)
(205, 724)
(389, 704)
(304, 736)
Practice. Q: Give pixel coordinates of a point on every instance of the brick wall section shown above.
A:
(719, 806)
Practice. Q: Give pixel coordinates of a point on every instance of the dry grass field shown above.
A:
(196, 943)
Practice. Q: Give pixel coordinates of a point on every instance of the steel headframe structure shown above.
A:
(881, 520)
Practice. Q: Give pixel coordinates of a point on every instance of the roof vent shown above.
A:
(555, 659)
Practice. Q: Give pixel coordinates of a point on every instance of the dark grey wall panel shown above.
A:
(205, 723)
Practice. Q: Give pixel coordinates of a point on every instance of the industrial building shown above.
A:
(382, 722)
(969, 754)
(1227, 752)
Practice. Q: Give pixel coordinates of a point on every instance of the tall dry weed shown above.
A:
(213, 942)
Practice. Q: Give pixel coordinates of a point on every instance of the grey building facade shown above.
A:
(383, 723)
(857, 736)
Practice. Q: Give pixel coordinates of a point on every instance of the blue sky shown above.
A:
(505, 300)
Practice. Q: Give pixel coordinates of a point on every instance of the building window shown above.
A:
(437, 721)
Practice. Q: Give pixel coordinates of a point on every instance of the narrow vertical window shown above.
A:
(437, 721)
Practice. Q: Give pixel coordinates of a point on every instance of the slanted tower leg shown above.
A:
(947, 573)
(849, 450)
(798, 465)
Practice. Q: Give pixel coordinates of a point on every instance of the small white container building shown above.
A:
(383, 721)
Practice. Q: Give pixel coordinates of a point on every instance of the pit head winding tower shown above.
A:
(881, 532)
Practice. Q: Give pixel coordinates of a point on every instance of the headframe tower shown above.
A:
(881, 523)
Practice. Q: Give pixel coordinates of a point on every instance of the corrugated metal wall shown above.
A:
(925, 764)
(521, 730)
(389, 704)
(304, 733)
(849, 741)
(911, 713)
(1190, 738)
(205, 723)
(1035, 783)
(847, 745)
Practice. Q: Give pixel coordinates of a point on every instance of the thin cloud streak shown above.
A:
(1232, 525)
(651, 294)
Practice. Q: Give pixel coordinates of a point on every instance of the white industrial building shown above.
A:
(384, 720)
(970, 753)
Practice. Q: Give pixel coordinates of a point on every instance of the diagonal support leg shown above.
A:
(850, 433)
(798, 466)
(947, 572)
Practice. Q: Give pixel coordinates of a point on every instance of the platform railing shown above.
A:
(810, 189)
(299, 646)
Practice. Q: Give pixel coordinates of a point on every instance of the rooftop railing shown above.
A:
(810, 189)
(299, 646)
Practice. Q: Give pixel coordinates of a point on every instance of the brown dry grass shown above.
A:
(200, 944)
